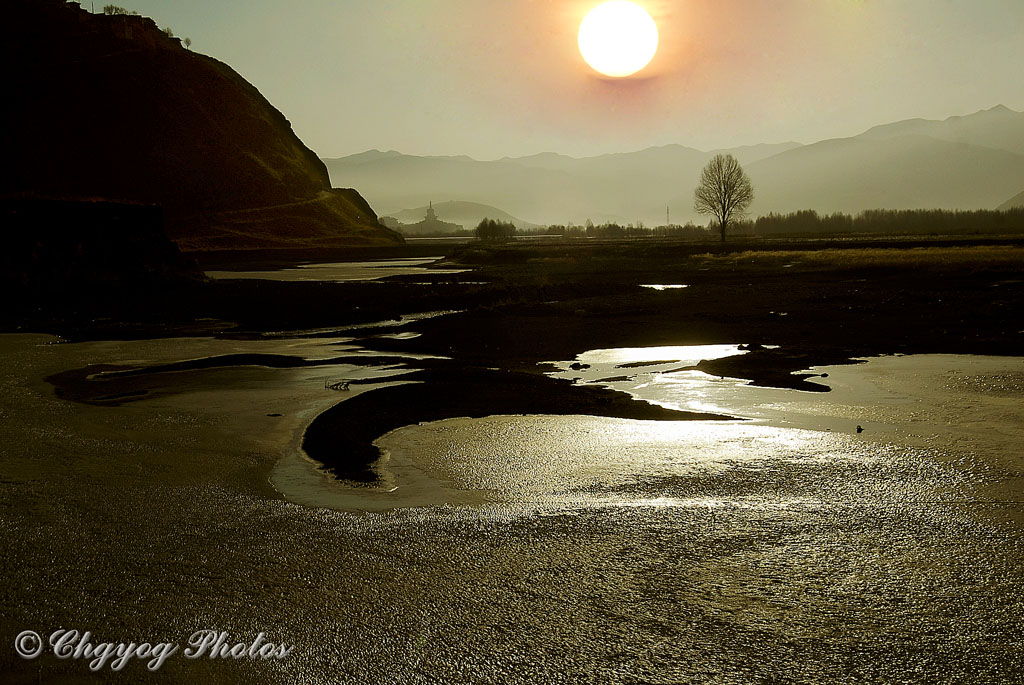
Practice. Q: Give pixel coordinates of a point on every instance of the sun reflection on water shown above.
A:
(586, 460)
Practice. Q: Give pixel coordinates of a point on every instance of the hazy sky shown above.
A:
(490, 78)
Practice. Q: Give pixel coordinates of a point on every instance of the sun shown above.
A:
(618, 38)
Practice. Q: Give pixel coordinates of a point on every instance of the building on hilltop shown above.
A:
(431, 225)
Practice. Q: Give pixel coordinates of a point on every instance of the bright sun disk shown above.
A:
(618, 38)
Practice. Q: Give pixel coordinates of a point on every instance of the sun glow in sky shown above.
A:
(618, 38)
(490, 79)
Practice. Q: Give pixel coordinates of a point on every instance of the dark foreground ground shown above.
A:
(142, 509)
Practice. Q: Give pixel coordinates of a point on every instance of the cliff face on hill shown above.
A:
(111, 107)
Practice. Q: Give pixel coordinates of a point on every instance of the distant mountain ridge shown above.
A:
(112, 107)
(999, 128)
(905, 172)
(964, 162)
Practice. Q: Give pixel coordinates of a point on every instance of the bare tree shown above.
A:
(188, 43)
(724, 191)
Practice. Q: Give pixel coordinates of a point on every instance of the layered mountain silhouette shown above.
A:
(540, 189)
(906, 172)
(965, 162)
(112, 107)
(999, 128)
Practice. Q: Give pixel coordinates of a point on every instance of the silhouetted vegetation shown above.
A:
(724, 191)
(890, 222)
(872, 222)
(637, 230)
(490, 230)
(116, 10)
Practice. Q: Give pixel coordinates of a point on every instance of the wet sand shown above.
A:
(732, 552)
(773, 549)
(342, 437)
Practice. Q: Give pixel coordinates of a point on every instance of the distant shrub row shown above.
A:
(889, 222)
(875, 221)
(613, 230)
(116, 10)
(495, 231)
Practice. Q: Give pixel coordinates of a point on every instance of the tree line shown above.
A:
(808, 221)
(493, 231)
(889, 222)
(803, 222)
(117, 11)
(614, 230)
(724, 191)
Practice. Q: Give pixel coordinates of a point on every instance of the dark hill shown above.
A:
(61, 250)
(111, 107)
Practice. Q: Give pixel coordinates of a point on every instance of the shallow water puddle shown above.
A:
(795, 447)
(340, 272)
(663, 286)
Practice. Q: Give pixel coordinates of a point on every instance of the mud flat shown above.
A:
(586, 547)
(171, 493)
